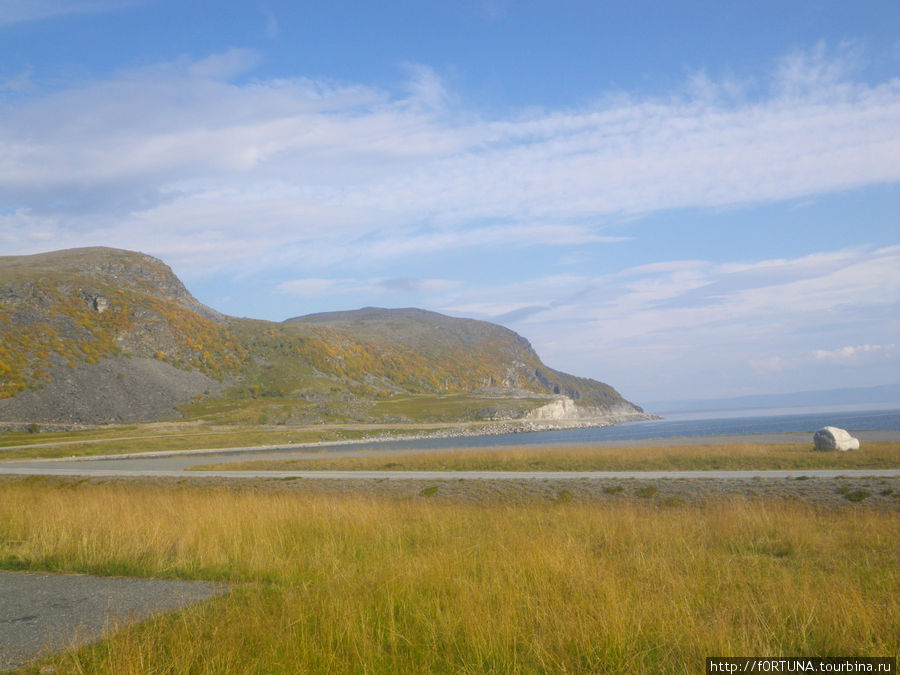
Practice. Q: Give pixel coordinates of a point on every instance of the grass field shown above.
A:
(168, 437)
(347, 583)
(564, 458)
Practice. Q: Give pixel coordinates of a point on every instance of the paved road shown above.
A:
(45, 613)
(176, 464)
(86, 470)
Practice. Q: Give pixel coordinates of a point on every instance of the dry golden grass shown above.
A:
(160, 438)
(353, 584)
(565, 458)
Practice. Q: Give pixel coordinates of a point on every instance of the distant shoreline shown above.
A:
(488, 430)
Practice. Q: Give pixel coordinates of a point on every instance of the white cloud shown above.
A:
(807, 73)
(769, 364)
(405, 243)
(17, 83)
(659, 324)
(189, 151)
(16, 11)
(425, 88)
(853, 353)
(223, 66)
(314, 287)
(855, 356)
(309, 287)
(272, 27)
(410, 285)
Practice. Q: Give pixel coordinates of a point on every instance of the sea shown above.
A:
(682, 425)
(739, 422)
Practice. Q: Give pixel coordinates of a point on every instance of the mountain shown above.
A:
(101, 335)
(448, 354)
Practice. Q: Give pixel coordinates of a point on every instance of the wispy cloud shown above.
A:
(853, 353)
(201, 150)
(315, 287)
(807, 73)
(311, 287)
(272, 27)
(16, 11)
(880, 356)
(17, 83)
(660, 321)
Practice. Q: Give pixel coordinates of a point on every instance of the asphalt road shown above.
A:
(85, 470)
(45, 613)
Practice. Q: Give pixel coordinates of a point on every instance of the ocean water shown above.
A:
(750, 422)
(675, 426)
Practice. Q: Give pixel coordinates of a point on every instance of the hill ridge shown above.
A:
(71, 320)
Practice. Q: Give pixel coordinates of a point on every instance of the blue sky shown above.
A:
(682, 199)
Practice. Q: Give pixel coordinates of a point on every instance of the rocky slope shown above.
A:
(452, 355)
(100, 335)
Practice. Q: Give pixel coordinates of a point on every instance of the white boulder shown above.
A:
(832, 438)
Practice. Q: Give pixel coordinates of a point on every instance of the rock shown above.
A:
(561, 409)
(100, 303)
(832, 438)
(564, 410)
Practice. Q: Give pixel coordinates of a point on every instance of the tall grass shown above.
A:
(147, 439)
(363, 584)
(731, 456)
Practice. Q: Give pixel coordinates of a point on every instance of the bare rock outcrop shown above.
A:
(564, 409)
(833, 438)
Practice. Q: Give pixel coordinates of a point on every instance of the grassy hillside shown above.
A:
(87, 326)
(430, 352)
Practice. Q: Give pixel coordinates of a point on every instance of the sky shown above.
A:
(682, 199)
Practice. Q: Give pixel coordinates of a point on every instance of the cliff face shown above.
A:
(102, 335)
(565, 409)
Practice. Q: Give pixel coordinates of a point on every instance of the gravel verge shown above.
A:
(860, 491)
(871, 492)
